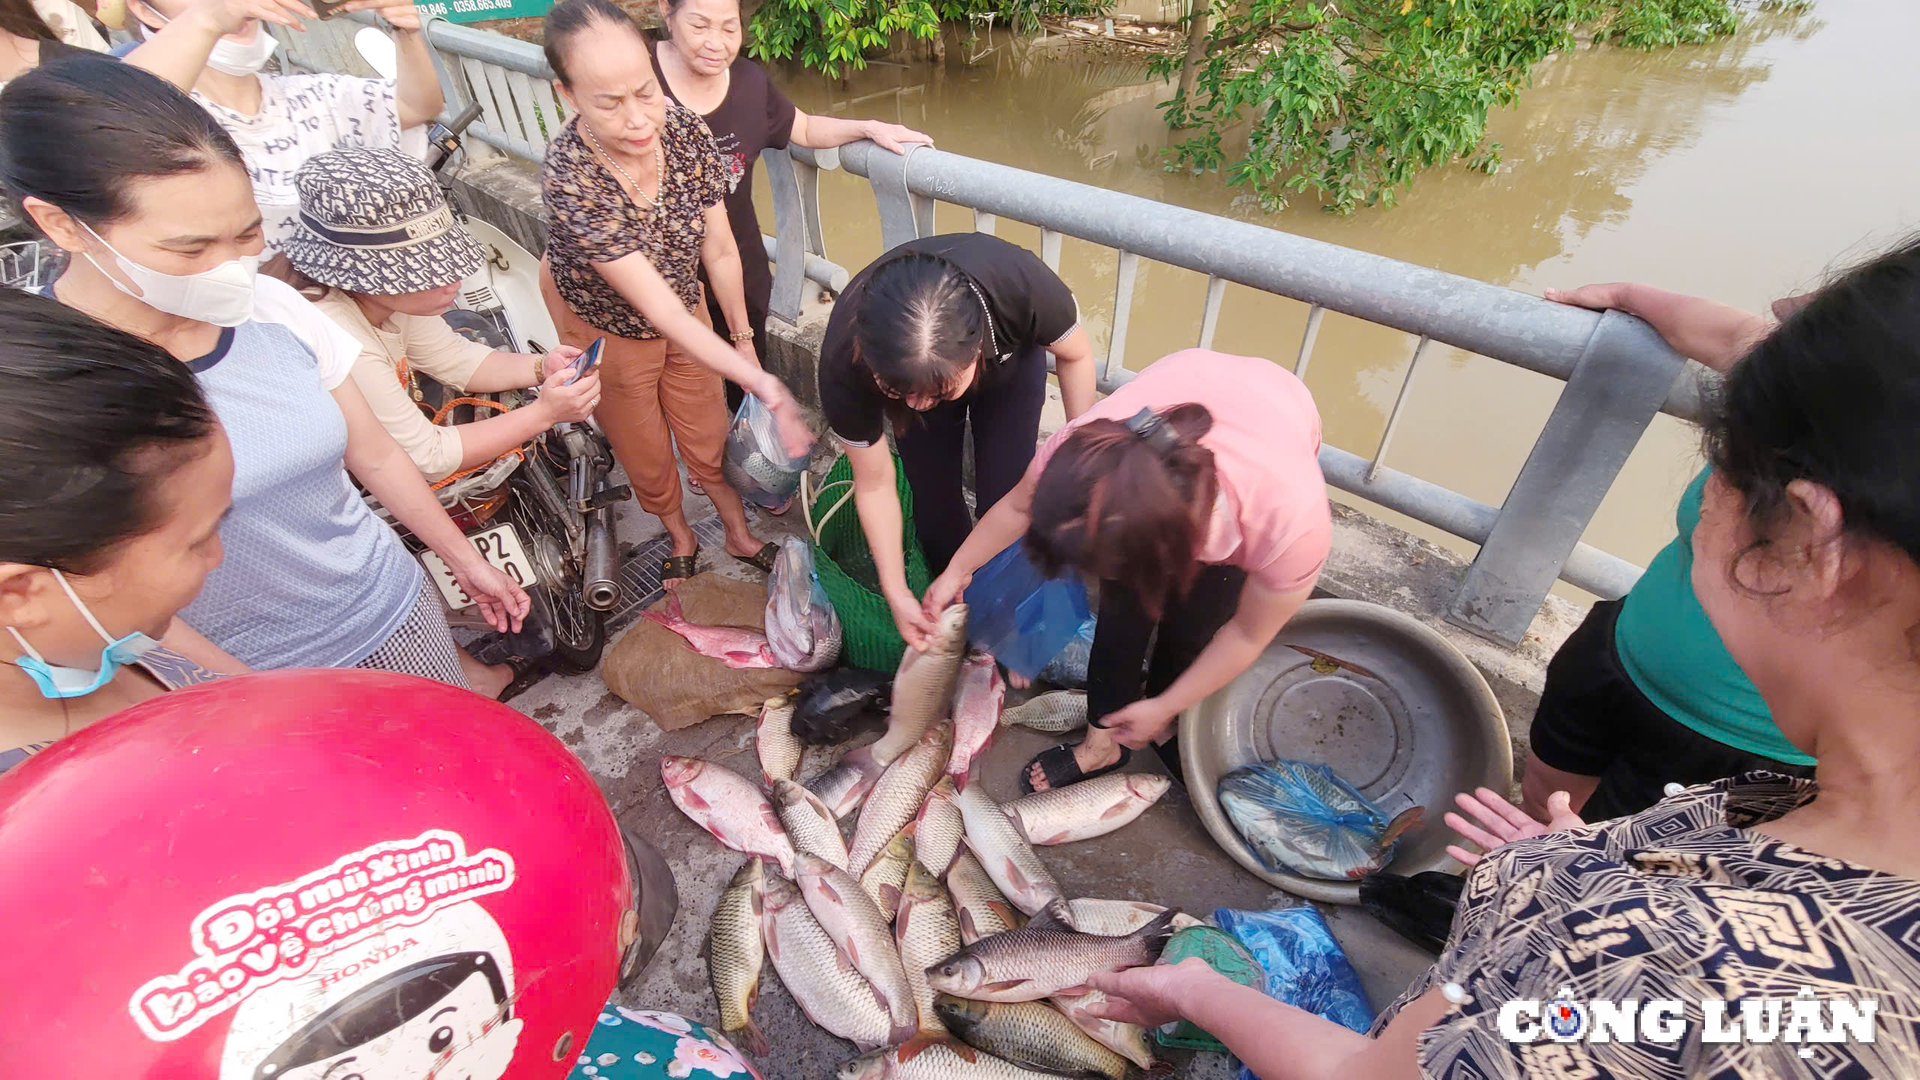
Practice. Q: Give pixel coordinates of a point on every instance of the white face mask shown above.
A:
(222, 296)
(233, 57)
(66, 682)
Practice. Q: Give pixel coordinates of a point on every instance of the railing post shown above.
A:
(902, 213)
(1616, 386)
(790, 235)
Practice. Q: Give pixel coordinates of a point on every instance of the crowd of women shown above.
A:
(184, 434)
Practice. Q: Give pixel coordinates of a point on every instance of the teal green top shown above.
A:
(1674, 655)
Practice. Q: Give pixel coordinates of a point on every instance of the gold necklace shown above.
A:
(659, 165)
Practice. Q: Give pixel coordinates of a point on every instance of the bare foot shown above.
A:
(487, 680)
(744, 545)
(1090, 755)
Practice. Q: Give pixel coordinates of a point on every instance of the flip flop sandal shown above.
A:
(762, 560)
(525, 673)
(694, 486)
(1060, 768)
(679, 567)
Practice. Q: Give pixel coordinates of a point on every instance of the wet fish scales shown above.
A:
(1055, 712)
(938, 828)
(976, 714)
(774, 742)
(855, 924)
(845, 785)
(729, 806)
(1128, 1040)
(833, 996)
(1043, 958)
(811, 827)
(923, 686)
(1030, 1034)
(927, 931)
(938, 1060)
(898, 794)
(979, 905)
(1005, 854)
(1087, 809)
(886, 875)
(736, 949)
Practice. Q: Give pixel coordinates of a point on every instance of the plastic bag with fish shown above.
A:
(836, 705)
(1304, 819)
(1069, 668)
(802, 628)
(1304, 965)
(756, 463)
(1020, 616)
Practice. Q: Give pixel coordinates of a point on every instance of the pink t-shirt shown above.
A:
(1272, 519)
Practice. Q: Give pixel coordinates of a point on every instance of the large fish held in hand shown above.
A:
(735, 952)
(735, 646)
(938, 828)
(938, 1059)
(898, 795)
(844, 786)
(923, 686)
(833, 995)
(1087, 809)
(976, 714)
(927, 931)
(1030, 1035)
(1055, 712)
(811, 827)
(850, 918)
(775, 743)
(983, 910)
(729, 806)
(1005, 854)
(1043, 958)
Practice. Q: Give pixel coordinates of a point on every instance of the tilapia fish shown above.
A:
(976, 714)
(855, 924)
(936, 1060)
(775, 743)
(735, 646)
(923, 686)
(833, 996)
(1031, 1035)
(727, 805)
(938, 829)
(735, 951)
(843, 786)
(1117, 917)
(1043, 958)
(982, 909)
(896, 798)
(1055, 712)
(1087, 809)
(1005, 854)
(887, 873)
(1128, 1040)
(927, 932)
(811, 827)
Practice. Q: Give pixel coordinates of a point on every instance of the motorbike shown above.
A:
(542, 515)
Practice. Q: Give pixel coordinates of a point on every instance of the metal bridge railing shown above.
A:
(1618, 372)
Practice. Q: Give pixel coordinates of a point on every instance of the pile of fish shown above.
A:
(931, 936)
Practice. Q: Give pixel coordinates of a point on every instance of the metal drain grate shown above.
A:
(640, 573)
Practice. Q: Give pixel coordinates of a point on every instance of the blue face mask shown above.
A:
(66, 682)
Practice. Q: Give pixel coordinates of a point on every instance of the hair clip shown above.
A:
(1148, 425)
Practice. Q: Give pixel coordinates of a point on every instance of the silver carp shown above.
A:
(844, 786)
(727, 805)
(1005, 854)
(887, 873)
(811, 827)
(983, 910)
(1128, 1040)
(1087, 809)
(1055, 712)
(736, 950)
(976, 714)
(1043, 958)
(855, 924)
(1031, 1035)
(923, 686)
(896, 798)
(927, 931)
(938, 828)
(774, 742)
(832, 995)
(1115, 918)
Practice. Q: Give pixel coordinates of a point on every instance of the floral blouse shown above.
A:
(638, 1044)
(1681, 904)
(591, 219)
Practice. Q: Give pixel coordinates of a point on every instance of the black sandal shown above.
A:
(1059, 767)
(761, 560)
(525, 674)
(679, 567)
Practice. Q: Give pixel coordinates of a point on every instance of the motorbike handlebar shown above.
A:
(467, 116)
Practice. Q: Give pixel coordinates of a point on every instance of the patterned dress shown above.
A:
(1679, 903)
(634, 1044)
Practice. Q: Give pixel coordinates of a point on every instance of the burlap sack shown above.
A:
(653, 669)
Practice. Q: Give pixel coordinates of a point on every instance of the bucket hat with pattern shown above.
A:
(374, 221)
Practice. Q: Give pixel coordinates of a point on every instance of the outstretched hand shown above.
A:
(1497, 822)
(1149, 996)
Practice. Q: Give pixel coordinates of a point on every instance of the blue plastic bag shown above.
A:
(1302, 818)
(1020, 617)
(1305, 966)
(756, 462)
(1069, 669)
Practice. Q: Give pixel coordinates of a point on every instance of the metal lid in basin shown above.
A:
(1378, 696)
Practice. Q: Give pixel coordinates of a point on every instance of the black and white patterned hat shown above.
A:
(373, 221)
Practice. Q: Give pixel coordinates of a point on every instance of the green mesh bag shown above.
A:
(1226, 956)
(844, 564)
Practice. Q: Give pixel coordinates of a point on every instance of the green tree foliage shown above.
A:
(1351, 99)
(833, 35)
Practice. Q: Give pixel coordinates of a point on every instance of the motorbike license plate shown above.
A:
(500, 546)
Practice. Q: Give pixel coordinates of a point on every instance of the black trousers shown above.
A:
(1129, 661)
(1006, 424)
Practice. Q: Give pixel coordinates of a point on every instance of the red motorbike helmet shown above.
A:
(292, 875)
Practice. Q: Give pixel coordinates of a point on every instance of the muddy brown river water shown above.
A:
(1743, 170)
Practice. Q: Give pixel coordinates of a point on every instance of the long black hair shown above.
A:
(919, 328)
(75, 133)
(91, 420)
(1832, 396)
(569, 18)
(19, 18)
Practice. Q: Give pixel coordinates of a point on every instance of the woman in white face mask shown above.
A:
(146, 192)
(216, 49)
(118, 476)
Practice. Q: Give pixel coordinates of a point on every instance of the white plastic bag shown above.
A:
(801, 625)
(756, 463)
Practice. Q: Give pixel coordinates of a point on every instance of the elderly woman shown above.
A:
(1749, 890)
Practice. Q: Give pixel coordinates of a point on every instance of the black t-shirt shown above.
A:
(1027, 305)
(753, 116)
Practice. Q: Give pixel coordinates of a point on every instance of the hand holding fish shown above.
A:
(1497, 822)
(1143, 722)
(1152, 995)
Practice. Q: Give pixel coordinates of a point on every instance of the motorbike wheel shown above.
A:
(579, 632)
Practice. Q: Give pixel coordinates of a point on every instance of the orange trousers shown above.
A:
(652, 395)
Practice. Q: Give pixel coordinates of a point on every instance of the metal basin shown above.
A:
(1417, 719)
